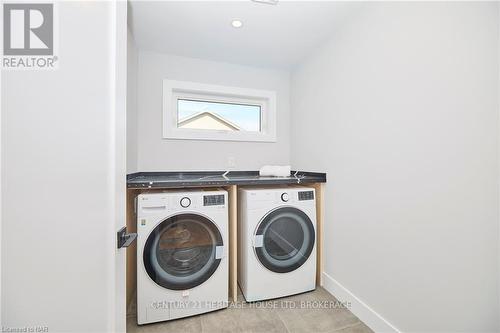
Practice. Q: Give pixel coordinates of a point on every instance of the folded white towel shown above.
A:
(275, 170)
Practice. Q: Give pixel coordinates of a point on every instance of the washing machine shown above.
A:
(277, 242)
(182, 266)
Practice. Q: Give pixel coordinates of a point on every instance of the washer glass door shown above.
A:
(183, 251)
(284, 239)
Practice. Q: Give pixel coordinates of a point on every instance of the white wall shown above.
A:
(157, 154)
(132, 63)
(1, 192)
(57, 181)
(117, 167)
(400, 108)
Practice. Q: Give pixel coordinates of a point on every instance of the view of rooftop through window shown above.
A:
(195, 114)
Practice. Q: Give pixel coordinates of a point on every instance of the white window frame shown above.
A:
(175, 90)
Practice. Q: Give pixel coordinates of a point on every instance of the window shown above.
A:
(198, 111)
(218, 115)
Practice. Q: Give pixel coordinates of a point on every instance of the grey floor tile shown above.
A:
(246, 319)
(220, 321)
(259, 320)
(359, 328)
(185, 325)
(316, 320)
(131, 325)
(315, 311)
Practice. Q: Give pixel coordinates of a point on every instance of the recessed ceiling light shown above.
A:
(236, 23)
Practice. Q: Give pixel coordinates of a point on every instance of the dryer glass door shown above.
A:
(183, 251)
(284, 239)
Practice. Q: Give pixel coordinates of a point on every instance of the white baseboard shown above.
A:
(360, 309)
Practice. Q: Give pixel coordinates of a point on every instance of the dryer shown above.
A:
(277, 242)
(182, 267)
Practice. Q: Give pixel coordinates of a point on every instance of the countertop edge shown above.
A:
(149, 179)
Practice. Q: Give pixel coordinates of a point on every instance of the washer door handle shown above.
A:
(219, 252)
(258, 241)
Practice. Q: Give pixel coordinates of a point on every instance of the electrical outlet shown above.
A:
(231, 162)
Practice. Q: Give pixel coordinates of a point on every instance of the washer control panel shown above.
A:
(306, 195)
(185, 202)
(213, 200)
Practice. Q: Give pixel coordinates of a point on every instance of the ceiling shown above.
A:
(272, 35)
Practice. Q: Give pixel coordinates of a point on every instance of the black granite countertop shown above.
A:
(217, 178)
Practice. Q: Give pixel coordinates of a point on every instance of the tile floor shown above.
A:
(287, 316)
